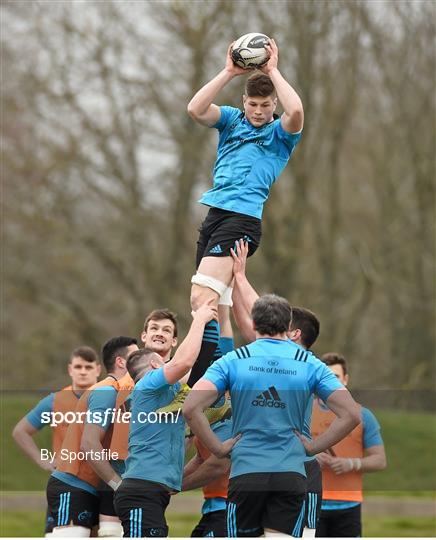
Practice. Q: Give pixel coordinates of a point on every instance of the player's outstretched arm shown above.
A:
(293, 116)
(188, 350)
(244, 294)
(201, 107)
(23, 435)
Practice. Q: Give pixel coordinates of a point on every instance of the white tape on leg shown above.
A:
(207, 281)
(226, 297)
(110, 529)
(74, 531)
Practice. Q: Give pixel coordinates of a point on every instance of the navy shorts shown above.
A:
(141, 506)
(221, 229)
(274, 501)
(69, 505)
(314, 493)
(211, 524)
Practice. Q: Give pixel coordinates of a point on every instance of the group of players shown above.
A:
(250, 408)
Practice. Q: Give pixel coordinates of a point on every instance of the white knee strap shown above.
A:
(309, 533)
(110, 529)
(274, 533)
(207, 281)
(226, 297)
(74, 531)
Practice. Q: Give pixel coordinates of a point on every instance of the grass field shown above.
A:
(20, 523)
(410, 444)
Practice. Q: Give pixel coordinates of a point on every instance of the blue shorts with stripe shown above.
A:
(258, 501)
(70, 505)
(141, 506)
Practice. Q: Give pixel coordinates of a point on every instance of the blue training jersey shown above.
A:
(156, 445)
(271, 382)
(35, 416)
(249, 160)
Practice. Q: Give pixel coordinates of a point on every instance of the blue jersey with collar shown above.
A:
(156, 444)
(271, 383)
(249, 160)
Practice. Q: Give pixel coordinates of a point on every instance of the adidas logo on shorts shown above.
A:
(269, 398)
(216, 249)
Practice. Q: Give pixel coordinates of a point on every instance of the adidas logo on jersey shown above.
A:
(216, 249)
(269, 398)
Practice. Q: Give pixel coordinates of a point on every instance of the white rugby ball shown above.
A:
(249, 50)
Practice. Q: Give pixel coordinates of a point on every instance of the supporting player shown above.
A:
(160, 335)
(206, 470)
(267, 481)
(84, 369)
(154, 465)
(72, 488)
(303, 331)
(344, 464)
(254, 147)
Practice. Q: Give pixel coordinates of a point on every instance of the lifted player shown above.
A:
(254, 147)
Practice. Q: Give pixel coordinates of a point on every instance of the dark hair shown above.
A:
(114, 347)
(85, 352)
(306, 321)
(259, 84)
(134, 362)
(332, 359)
(271, 315)
(158, 315)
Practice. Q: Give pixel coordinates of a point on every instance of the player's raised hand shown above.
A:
(239, 257)
(206, 312)
(231, 67)
(226, 447)
(273, 61)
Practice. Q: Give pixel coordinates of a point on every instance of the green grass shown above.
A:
(20, 523)
(409, 440)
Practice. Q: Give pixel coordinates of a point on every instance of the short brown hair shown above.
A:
(259, 84)
(158, 315)
(307, 322)
(271, 315)
(333, 359)
(134, 362)
(85, 352)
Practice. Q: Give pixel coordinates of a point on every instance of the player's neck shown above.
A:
(280, 337)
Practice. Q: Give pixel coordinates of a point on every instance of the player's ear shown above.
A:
(120, 362)
(143, 336)
(345, 380)
(244, 99)
(174, 342)
(98, 370)
(274, 103)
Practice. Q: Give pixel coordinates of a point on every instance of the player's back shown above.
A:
(270, 382)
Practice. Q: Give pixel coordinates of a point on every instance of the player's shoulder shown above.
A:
(368, 417)
(242, 352)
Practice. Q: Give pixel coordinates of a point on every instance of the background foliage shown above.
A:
(102, 168)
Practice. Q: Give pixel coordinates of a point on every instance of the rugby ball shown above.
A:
(249, 51)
